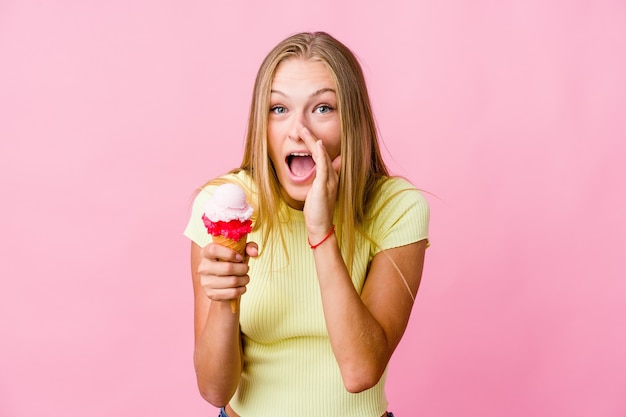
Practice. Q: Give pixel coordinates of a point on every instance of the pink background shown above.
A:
(511, 114)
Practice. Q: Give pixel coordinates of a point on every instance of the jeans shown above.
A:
(223, 413)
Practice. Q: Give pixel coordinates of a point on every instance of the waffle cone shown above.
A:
(238, 246)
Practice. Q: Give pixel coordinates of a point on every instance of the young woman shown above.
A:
(335, 258)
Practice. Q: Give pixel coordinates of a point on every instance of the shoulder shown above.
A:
(399, 214)
(393, 193)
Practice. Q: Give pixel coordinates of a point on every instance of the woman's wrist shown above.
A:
(319, 241)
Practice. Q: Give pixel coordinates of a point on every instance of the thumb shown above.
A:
(252, 249)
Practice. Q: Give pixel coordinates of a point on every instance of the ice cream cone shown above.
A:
(238, 246)
(227, 217)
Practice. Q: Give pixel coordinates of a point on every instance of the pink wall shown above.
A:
(512, 114)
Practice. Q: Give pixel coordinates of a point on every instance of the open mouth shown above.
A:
(300, 164)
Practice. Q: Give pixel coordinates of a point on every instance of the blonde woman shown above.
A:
(335, 258)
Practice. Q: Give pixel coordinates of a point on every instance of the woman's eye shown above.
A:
(324, 108)
(278, 109)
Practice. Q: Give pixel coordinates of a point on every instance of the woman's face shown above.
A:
(303, 95)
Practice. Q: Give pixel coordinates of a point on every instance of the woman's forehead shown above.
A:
(297, 71)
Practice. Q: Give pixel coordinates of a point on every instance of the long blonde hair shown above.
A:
(362, 164)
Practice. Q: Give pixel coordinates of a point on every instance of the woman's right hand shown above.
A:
(223, 272)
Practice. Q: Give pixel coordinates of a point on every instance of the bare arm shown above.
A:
(219, 275)
(364, 331)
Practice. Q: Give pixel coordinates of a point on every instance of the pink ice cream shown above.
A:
(227, 213)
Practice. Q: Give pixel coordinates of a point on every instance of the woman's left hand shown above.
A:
(320, 200)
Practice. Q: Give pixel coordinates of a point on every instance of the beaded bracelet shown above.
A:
(330, 232)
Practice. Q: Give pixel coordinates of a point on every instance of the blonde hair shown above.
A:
(361, 164)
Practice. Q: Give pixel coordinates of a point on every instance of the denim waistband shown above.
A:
(223, 413)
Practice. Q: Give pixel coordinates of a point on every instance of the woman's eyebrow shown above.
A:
(315, 93)
(322, 91)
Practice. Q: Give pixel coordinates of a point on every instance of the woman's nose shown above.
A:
(296, 123)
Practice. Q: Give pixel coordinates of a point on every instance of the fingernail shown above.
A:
(238, 257)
